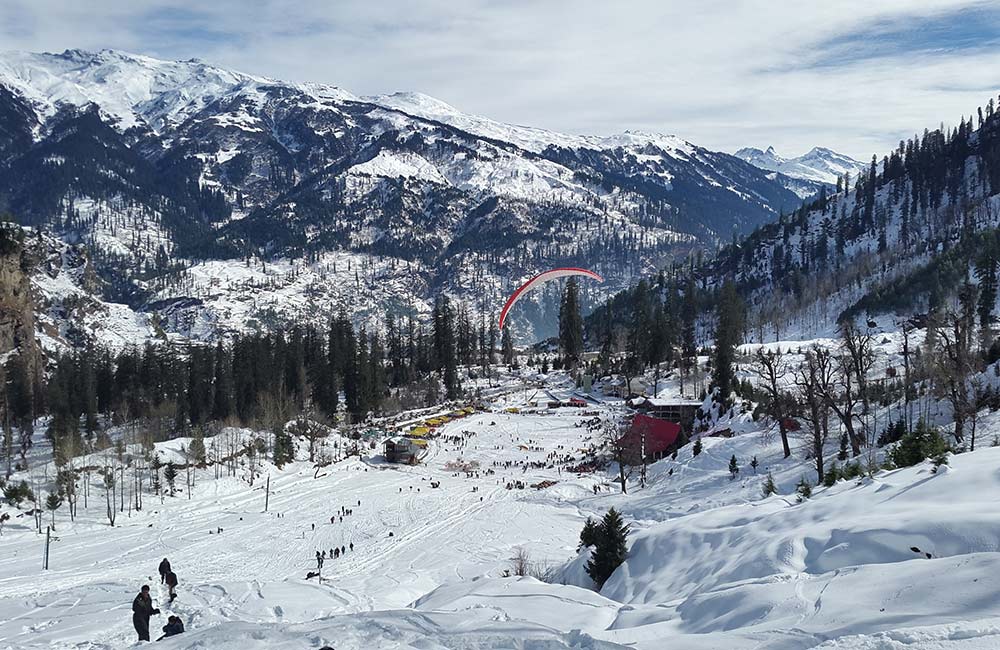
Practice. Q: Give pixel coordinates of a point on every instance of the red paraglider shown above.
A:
(540, 279)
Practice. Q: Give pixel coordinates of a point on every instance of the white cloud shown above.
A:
(721, 74)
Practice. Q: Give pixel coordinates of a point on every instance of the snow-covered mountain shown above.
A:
(183, 180)
(900, 241)
(818, 165)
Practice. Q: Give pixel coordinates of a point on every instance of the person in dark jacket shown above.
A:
(142, 609)
(173, 627)
(171, 580)
(164, 569)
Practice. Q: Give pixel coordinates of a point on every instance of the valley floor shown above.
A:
(712, 564)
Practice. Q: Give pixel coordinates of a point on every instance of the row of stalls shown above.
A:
(409, 446)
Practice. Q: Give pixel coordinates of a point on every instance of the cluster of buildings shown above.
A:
(408, 447)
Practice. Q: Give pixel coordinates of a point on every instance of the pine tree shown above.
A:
(284, 448)
(803, 489)
(754, 464)
(728, 333)
(696, 449)
(689, 314)
(831, 476)
(170, 475)
(52, 503)
(610, 550)
(222, 393)
(734, 468)
(590, 535)
(922, 442)
(197, 448)
(769, 486)
(154, 468)
(507, 347)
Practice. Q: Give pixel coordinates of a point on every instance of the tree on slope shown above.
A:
(571, 324)
(809, 378)
(728, 333)
(611, 548)
(956, 359)
(507, 347)
(689, 344)
(590, 534)
(770, 367)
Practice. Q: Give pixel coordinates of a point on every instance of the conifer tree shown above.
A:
(197, 448)
(734, 468)
(611, 550)
(284, 448)
(803, 489)
(507, 347)
(769, 487)
(170, 475)
(571, 324)
(696, 449)
(590, 535)
(728, 333)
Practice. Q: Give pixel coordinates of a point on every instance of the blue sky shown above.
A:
(854, 75)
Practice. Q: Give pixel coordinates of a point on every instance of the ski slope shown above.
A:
(712, 564)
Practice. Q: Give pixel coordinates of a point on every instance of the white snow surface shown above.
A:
(711, 563)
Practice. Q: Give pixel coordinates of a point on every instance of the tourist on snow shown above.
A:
(142, 609)
(164, 569)
(171, 580)
(173, 627)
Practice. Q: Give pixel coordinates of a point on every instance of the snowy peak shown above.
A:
(819, 164)
(129, 88)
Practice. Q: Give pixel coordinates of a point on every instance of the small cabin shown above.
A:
(402, 450)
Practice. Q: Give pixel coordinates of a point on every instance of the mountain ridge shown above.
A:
(162, 169)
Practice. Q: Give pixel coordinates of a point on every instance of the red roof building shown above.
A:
(652, 435)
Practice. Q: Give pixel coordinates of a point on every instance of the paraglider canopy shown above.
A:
(541, 279)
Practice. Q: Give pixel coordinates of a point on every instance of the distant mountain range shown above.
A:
(818, 165)
(211, 201)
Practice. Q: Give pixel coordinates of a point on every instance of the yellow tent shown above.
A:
(419, 431)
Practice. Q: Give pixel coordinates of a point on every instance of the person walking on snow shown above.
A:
(142, 609)
(171, 580)
(164, 570)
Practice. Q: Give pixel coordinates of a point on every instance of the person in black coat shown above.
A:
(171, 580)
(173, 627)
(142, 609)
(164, 569)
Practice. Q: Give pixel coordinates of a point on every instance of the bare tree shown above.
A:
(810, 377)
(858, 345)
(110, 494)
(955, 361)
(615, 437)
(312, 431)
(521, 564)
(769, 366)
(840, 394)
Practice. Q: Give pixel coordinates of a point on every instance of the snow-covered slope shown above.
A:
(712, 564)
(818, 165)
